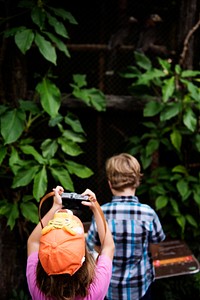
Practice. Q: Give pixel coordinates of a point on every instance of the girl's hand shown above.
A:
(92, 198)
(57, 198)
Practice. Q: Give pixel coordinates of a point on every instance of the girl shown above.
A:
(59, 265)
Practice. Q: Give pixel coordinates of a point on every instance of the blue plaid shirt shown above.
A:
(134, 226)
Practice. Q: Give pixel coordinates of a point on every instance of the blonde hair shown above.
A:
(123, 170)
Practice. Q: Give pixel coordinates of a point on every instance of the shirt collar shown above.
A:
(125, 199)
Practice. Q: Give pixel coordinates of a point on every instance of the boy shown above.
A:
(134, 227)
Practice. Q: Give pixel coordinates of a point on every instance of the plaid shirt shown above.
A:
(134, 226)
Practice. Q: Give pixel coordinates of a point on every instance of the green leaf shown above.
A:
(30, 211)
(131, 72)
(142, 60)
(58, 26)
(176, 139)
(13, 215)
(189, 120)
(180, 169)
(38, 17)
(152, 146)
(161, 201)
(146, 161)
(64, 14)
(24, 40)
(150, 125)
(24, 176)
(80, 80)
(193, 91)
(40, 183)
(73, 136)
(70, 147)
(174, 205)
(49, 148)
(30, 150)
(74, 122)
(46, 48)
(196, 196)
(190, 73)
(152, 108)
(181, 221)
(59, 44)
(63, 178)
(182, 187)
(165, 64)
(78, 169)
(168, 88)
(170, 110)
(30, 106)
(191, 220)
(12, 125)
(50, 96)
(97, 99)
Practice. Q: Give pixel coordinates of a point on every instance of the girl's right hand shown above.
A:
(92, 198)
(57, 198)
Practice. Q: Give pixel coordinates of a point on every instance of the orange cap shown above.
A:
(62, 244)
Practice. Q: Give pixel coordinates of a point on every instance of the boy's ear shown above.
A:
(109, 183)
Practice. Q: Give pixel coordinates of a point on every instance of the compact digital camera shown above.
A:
(74, 196)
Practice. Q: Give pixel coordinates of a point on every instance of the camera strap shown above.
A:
(51, 194)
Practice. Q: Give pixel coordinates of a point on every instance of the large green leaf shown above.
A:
(38, 16)
(46, 48)
(30, 211)
(64, 14)
(50, 96)
(73, 136)
(78, 169)
(191, 220)
(58, 26)
(70, 147)
(24, 176)
(49, 148)
(59, 44)
(30, 150)
(12, 125)
(142, 60)
(24, 39)
(74, 122)
(40, 183)
(152, 108)
(170, 110)
(62, 177)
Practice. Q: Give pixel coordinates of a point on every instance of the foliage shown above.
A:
(169, 142)
(28, 160)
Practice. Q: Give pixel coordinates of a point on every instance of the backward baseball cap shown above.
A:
(62, 244)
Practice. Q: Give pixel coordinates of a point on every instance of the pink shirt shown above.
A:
(97, 289)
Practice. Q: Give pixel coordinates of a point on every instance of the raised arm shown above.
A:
(34, 238)
(105, 236)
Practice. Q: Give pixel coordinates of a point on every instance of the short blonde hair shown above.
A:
(123, 170)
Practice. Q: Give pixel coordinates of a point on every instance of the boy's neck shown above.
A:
(125, 192)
